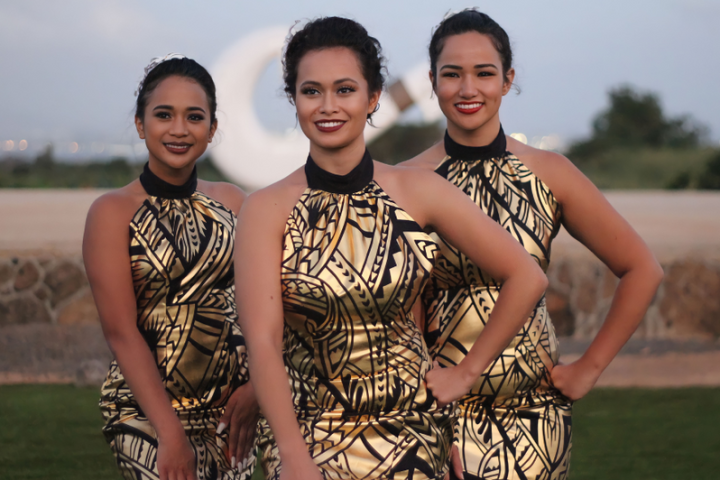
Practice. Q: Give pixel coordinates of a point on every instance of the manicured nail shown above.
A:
(233, 462)
(221, 427)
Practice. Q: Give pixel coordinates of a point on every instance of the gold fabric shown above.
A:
(512, 424)
(353, 266)
(181, 253)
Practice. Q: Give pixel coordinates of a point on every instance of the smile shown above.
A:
(178, 148)
(468, 108)
(329, 125)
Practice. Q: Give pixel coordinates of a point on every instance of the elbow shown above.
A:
(541, 282)
(656, 273)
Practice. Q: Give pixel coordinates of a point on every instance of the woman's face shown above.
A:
(176, 127)
(332, 98)
(470, 83)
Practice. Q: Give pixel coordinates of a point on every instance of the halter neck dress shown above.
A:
(352, 267)
(512, 424)
(181, 257)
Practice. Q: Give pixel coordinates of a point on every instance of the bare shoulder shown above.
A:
(429, 159)
(230, 195)
(554, 169)
(271, 206)
(117, 206)
(406, 176)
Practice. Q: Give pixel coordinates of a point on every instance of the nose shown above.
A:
(468, 89)
(329, 104)
(178, 127)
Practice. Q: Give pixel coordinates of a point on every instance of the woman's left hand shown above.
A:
(241, 415)
(574, 380)
(447, 384)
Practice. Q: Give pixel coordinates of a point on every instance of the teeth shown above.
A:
(468, 106)
(329, 124)
(178, 146)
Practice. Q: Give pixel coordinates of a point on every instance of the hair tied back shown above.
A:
(154, 63)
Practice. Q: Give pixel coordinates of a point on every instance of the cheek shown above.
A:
(493, 90)
(445, 92)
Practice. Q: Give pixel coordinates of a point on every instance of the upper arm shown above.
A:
(258, 257)
(107, 263)
(589, 217)
(456, 218)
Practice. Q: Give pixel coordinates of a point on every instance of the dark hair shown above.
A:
(471, 20)
(329, 32)
(181, 67)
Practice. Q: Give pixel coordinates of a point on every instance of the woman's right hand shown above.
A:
(176, 458)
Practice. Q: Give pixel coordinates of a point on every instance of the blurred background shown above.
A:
(627, 90)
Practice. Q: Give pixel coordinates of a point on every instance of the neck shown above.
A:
(174, 176)
(339, 161)
(479, 137)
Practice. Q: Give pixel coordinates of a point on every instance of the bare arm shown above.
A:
(259, 246)
(458, 220)
(107, 261)
(589, 218)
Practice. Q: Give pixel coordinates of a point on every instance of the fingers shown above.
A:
(232, 443)
(456, 462)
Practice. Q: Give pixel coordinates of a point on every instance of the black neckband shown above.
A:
(157, 187)
(495, 149)
(357, 179)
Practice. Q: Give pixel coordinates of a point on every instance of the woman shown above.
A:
(515, 421)
(334, 257)
(158, 253)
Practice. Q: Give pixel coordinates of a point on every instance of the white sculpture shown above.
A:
(254, 157)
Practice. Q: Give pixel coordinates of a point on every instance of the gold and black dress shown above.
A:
(512, 424)
(181, 256)
(352, 267)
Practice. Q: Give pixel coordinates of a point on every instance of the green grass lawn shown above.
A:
(53, 432)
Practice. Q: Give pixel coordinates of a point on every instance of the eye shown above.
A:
(486, 74)
(162, 115)
(450, 75)
(196, 117)
(309, 91)
(346, 89)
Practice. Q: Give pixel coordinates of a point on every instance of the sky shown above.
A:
(68, 69)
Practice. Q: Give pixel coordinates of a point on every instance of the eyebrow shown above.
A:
(457, 67)
(342, 80)
(170, 107)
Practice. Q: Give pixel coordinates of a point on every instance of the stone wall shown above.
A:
(686, 306)
(46, 290)
(54, 290)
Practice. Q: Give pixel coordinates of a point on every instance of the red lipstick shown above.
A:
(468, 108)
(177, 148)
(328, 126)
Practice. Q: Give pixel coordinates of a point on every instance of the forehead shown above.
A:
(472, 47)
(329, 64)
(177, 90)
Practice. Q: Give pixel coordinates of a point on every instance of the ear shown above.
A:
(374, 99)
(213, 129)
(432, 79)
(140, 128)
(509, 83)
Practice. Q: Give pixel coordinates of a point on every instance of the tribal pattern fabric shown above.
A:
(353, 266)
(181, 256)
(512, 424)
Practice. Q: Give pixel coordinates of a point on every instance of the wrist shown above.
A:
(469, 373)
(172, 430)
(591, 364)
